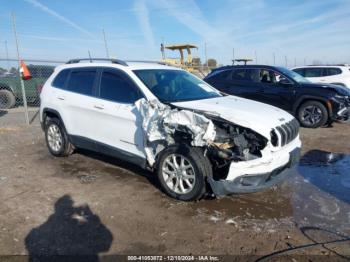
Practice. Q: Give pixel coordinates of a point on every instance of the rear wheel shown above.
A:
(312, 114)
(7, 99)
(181, 171)
(57, 138)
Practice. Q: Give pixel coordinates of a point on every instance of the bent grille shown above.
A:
(288, 132)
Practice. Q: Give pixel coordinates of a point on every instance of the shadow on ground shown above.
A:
(150, 176)
(70, 234)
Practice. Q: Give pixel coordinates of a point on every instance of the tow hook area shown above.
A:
(257, 182)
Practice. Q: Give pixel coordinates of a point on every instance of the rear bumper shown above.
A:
(249, 183)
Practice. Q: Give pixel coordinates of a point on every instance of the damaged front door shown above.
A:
(119, 124)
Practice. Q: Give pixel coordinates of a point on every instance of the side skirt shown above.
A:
(89, 144)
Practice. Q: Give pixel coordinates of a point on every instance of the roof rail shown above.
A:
(113, 61)
(147, 61)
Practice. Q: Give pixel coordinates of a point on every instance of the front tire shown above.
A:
(7, 99)
(312, 114)
(181, 171)
(56, 138)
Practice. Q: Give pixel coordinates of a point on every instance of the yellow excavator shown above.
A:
(185, 63)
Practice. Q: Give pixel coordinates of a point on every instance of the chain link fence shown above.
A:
(12, 107)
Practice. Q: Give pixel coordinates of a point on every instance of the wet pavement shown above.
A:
(318, 194)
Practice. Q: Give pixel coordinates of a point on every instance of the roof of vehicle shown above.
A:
(310, 66)
(247, 66)
(131, 65)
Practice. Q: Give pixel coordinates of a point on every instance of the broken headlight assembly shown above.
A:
(234, 143)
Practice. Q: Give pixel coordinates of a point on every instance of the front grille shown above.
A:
(288, 132)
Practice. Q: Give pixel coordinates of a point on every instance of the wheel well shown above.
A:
(313, 99)
(5, 87)
(50, 114)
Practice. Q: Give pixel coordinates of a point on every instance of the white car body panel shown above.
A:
(243, 112)
(119, 125)
(343, 78)
(267, 163)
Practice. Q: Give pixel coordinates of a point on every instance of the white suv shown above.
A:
(337, 75)
(165, 119)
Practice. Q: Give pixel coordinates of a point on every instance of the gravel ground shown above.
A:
(90, 204)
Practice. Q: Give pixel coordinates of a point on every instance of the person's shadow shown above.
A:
(70, 234)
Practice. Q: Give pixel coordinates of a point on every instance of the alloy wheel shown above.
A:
(54, 137)
(178, 174)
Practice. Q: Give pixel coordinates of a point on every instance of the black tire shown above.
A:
(201, 168)
(7, 99)
(320, 112)
(65, 148)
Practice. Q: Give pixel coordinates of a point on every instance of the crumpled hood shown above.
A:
(257, 116)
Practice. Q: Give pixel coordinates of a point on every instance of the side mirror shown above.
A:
(285, 81)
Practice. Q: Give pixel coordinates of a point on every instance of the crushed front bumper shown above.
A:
(249, 183)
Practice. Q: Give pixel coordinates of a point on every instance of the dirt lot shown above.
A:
(89, 204)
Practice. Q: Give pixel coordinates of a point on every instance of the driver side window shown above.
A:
(272, 77)
(116, 88)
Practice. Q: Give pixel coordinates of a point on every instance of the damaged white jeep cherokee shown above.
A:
(165, 119)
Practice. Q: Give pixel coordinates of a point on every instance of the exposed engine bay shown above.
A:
(223, 142)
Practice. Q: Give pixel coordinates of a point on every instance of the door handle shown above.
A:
(99, 107)
(61, 97)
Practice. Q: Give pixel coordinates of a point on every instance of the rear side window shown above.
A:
(221, 74)
(60, 79)
(116, 88)
(300, 71)
(239, 74)
(313, 72)
(82, 82)
(331, 71)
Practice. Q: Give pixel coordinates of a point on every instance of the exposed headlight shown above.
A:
(341, 97)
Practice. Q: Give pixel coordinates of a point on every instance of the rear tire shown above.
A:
(182, 172)
(7, 99)
(56, 138)
(312, 114)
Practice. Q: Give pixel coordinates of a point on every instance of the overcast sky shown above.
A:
(310, 30)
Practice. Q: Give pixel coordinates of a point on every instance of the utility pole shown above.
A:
(205, 53)
(274, 59)
(90, 56)
(105, 41)
(304, 60)
(7, 56)
(295, 61)
(19, 73)
(286, 59)
(233, 56)
(256, 57)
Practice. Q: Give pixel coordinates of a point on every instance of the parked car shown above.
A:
(10, 86)
(169, 121)
(314, 105)
(337, 75)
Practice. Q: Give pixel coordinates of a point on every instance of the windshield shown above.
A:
(293, 75)
(175, 85)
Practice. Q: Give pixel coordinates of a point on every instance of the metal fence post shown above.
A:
(19, 72)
